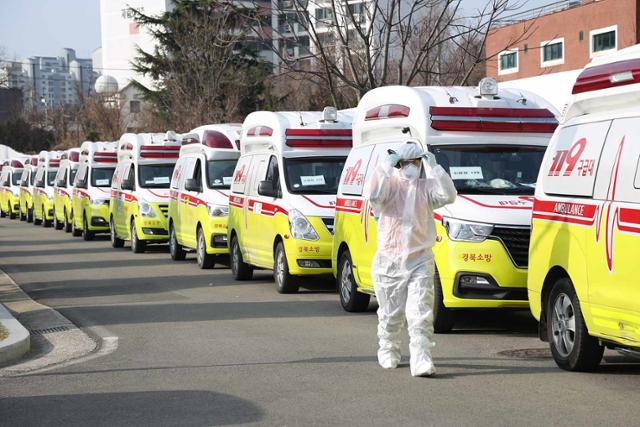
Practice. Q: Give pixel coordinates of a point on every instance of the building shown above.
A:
(10, 104)
(561, 37)
(51, 80)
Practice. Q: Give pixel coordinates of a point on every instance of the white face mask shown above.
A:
(410, 172)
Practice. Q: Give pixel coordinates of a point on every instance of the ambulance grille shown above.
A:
(164, 208)
(516, 240)
(328, 222)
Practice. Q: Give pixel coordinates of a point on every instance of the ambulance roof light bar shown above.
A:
(607, 76)
(216, 139)
(472, 119)
(387, 111)
(319, 138)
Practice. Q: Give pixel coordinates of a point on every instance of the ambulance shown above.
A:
(10, 188)
(47, 169)
(583, 279)
(92, 189)
(491, 142)
(63, 189)
(140, 189)
(283, 193)
(26, 188)
(199, 204)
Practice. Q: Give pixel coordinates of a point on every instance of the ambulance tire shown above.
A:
(176, 250)
(21, 216)
(75, 232)
(12, 214)
(87, 234)
(585, 353)
(205, 261)
(2, 213)
(285, 282)
(57, 224)
(66, 225)
(46, 223)
(137, 246)
(36, 221)
(30, 215)
(116, 242)
(351, 300)
(443, 318)
(239, 269)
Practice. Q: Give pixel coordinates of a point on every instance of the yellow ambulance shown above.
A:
(26, 188)
(10, 176)
(48, 164)
(491, 142)
(63, 189)
(199, 205)
(140, 189)
(283, 193)
(92, 189)
(583, 282)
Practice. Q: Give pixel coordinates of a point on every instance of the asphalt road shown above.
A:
(197, 348)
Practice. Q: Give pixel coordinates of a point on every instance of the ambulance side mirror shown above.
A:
(127, 184)
(265, 188)
(192, 185)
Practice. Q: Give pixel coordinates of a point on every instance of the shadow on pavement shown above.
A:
(180, 408)
(82, 265)
(49, 252)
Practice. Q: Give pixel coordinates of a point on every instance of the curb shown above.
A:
(18, 343)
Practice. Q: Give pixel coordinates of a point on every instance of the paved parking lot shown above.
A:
(197, 348)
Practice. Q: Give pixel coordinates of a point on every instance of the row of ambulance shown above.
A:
(547, 214)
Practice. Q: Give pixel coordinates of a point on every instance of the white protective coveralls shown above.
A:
(403, 266)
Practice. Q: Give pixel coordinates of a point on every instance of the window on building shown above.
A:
(134, 106)
(324, 14)
(508, 62)
(552, 53)
(604, 40)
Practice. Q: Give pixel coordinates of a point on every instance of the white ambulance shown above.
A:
(26, 188)
(63, 189)
(583, 279)
(10, 187)
(92, 189)
(283, 193)
(491, 142)
(199, 205)
(140, 190)
(48, 164)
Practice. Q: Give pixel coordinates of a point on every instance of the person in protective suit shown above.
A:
(403, 194)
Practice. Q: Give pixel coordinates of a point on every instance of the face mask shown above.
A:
(410, 172)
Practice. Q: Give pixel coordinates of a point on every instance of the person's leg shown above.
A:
(420, 318)
(391, 293)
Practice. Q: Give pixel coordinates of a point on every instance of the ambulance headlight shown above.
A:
(463, 231)
(217, 210)
(145, 209)
(99, 202)
(300, 226)
(16, 194)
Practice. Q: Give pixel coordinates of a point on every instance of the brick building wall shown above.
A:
(572, 31)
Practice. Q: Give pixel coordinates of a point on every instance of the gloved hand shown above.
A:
(390, 162)
(430, 158)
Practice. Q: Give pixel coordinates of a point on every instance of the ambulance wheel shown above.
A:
(239, 269)
(137, 246)
(57, 224)
(36, 221)
(443, 318)
(205, 260)
(571, 345)
(30, 215)
(86, 233)
(351, 300)
(75, 232)
(21, 215)
(66, 225)
(176, 250)
(12, 214)
(285, 282)
(45, 222)
(2, 213)
(116, 242)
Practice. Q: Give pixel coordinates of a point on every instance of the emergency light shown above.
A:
(317, 138)
(215, 139)
(388, 111)
(488, 87)
(260, 131)
(16, 164)
(607, 76)
(74, 156)
(330, 114)
(472, 119)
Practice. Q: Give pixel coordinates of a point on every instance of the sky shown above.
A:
(44, 27)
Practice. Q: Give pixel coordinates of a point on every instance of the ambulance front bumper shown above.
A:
(309, 258)
(216, 229)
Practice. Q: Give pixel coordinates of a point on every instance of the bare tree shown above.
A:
(353, 46)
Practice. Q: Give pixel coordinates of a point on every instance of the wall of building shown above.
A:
(574, 25)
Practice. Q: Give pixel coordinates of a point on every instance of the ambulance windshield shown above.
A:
(155, 176)
(51, 177)
(72, 175)
(313, 175)
(15, 178)
(497, 169)
(220, 173)
(101, 177)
